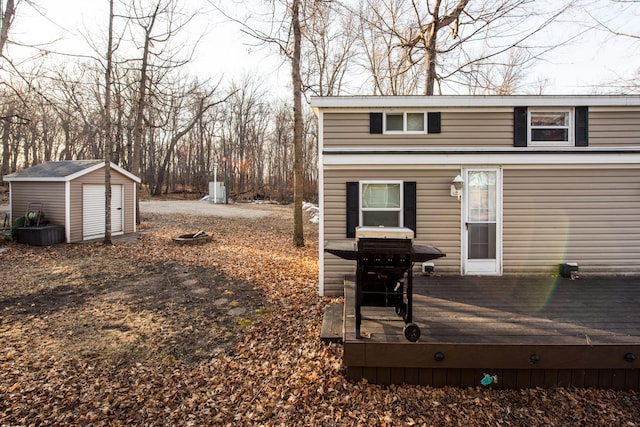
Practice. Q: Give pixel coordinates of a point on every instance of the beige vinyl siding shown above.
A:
(614, 127)
(588, 216)
(458, 129)
(438, 221)
(607, 127)
(50, 194)
(97, 177)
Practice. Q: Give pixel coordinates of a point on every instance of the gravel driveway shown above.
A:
(198, 208)
(204, 208)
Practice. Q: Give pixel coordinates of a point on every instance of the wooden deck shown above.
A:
(521, 331)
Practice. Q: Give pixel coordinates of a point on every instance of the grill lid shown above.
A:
(369, 232)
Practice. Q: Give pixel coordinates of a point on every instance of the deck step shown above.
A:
(332, 324)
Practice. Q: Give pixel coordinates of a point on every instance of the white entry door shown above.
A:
(117, 218)
(93, 211)
(482, 227)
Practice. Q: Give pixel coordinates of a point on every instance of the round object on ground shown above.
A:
(412, 332)
(193, 239)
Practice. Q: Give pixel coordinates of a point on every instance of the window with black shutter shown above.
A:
(378, 203)
(411, 122)
(550, 127)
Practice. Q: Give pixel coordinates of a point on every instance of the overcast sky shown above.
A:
(592, 59)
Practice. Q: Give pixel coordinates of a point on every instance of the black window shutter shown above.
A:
(433, 122)
(582, 126)
(410, 205)
(520, 127)
(375, 122)
(353, 207)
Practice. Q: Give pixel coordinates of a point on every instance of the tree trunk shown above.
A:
(6, 138)
(162, 172)
(108, 144)
(298, 175)
(7, 19)
(430, 59)
(138, 130)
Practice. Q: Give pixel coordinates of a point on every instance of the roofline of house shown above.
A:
(71, 177)
(415, 101)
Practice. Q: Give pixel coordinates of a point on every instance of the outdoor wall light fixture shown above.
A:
(456, 186)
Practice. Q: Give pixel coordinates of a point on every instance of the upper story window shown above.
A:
(413, 122)
(381, 203)
(550, 128)
(405, 122)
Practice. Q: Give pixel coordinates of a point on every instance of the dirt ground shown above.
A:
(147, 332)
(96, 302)
(143, 300)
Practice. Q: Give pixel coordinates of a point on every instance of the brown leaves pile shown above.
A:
(277, 373)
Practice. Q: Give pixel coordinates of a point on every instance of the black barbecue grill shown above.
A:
(383, 267)
(384, 277)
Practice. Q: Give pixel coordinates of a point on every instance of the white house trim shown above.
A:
(321, 202)
(72, 176)
(135, 213)
(563, 160)
(67, 212)
(372, 102)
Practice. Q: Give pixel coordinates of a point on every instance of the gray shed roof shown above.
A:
(65, 170)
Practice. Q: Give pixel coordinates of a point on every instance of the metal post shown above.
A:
(215, 183)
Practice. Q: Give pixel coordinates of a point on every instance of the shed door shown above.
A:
(116, 209)
(93, 217)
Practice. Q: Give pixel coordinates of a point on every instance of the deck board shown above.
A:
(332, 324)
(580, 329)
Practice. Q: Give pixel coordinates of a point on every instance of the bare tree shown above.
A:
(446, 37)
(499, 77)
(280, 151)
(296, 83)
(245, 116)
(389, 67)
(601, 16)
(285, 32)
(195, 101)
(8, 13)
(157, 26)
(108, 143)
(423, 37)
(628, 8)
(6, 19)
(328, 47)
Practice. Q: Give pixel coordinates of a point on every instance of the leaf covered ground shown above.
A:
(147, 332)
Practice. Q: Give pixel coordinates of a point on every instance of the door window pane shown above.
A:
(482, 241)
(482, 196)
(482, 216)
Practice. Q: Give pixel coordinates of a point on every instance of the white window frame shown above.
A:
(404, 122)
(569, 127)
(400, 210)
